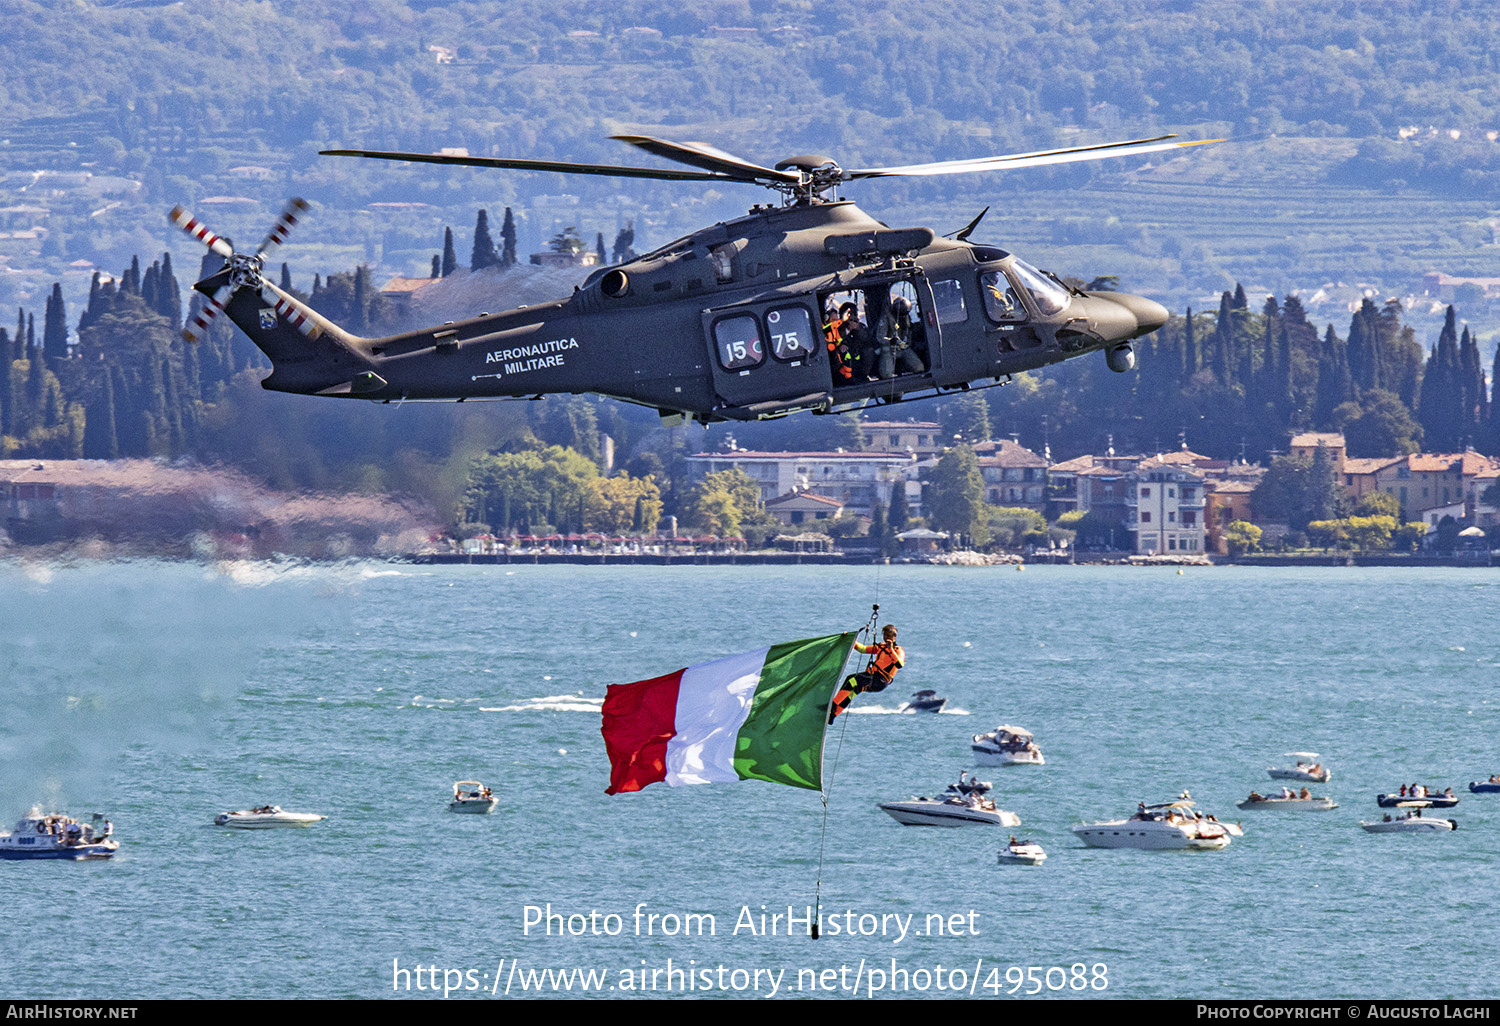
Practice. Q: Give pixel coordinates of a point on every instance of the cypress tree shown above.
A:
(450, 256)
(624, 240)
(286, 278)
(899, 513)
(1334, 384)
(599, 248)
(437, 267)
(148, 284)
(7, 399)
(1475, 410)
(100, 441)
(508, 240)
(169, 293)
(484, 247)
(1442, 395)
(55, 330)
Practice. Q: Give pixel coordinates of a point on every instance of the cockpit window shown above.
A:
(1000, 300)
(1050, 295)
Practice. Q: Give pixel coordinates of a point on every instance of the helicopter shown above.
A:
(808, 304)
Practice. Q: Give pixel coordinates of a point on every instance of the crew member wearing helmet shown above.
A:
(885, 659)
(896, 340)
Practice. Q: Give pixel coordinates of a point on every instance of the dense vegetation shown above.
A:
(1361, 152)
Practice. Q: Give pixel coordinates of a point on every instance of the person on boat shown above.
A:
(1403, 790)
(1256, 796)
(1305, 794)
(886, 658)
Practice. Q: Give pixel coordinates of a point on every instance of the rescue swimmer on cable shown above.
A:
(886, 657)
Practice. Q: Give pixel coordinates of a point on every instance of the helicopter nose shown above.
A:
(1147, 313)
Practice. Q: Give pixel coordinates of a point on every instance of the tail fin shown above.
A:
(309, 353)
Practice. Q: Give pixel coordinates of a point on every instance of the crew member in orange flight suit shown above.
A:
(840, 354)
(886, 659)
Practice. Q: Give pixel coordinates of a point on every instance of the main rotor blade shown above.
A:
(567, 167)
(711, 158)
(1039, 158)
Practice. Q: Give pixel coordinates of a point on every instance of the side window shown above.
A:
(790, 330)
(949, 297)
(738, 342)
(1000, 300)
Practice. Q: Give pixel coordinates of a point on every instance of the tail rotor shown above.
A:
(245, 271)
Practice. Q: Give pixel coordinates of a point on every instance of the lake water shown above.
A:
(162, 694)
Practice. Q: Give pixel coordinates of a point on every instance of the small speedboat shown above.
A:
(924, 701)
(1307, 768)
(1007, 746)
(1169, 826)
(265, 817)
(471, 796)
(41, 836)
(1413, 822)
(1022, 853)
(1428, 798)
(1287, 803)
(1490, 786)
(953, 811)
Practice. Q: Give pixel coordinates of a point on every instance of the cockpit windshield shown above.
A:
(1051, 295)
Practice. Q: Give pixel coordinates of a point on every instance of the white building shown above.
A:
(1164, 508)
(856, 480)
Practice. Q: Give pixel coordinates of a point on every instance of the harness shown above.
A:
(884, 662)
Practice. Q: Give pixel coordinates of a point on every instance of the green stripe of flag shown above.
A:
(782, 739)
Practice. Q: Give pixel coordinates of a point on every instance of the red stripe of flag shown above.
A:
(639, 721)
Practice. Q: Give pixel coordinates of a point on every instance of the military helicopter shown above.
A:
(808, 304)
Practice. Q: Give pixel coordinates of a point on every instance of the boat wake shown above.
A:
(550, 703)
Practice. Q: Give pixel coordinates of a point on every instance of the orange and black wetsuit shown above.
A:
(886, 659)
(840, 354)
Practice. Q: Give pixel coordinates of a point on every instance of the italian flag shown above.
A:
(759, 715)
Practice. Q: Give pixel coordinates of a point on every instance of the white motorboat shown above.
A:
(925, 700)
(1173, 825)
(1307, 768)
(1287, 802)
(41, 836)
(471, 796)
(1007, 746)
(1411, 822)
(953, 811)
(1022, 853)
(265, 817)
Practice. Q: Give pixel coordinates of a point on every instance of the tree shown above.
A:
(624, 239)
(1378, 425)
(55, 330)
(1241, 537)
(1014, 527)
(968, 417)
(622, 503)
(956, 496)
(450, 255)
(484, 254)
(508, 240)
(727, 503)
(899, 512)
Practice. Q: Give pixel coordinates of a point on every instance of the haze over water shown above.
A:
(162, 694)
